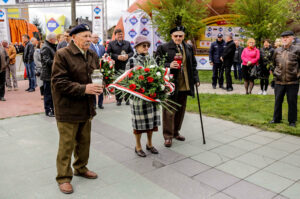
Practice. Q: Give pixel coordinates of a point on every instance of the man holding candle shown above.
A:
(73, 97)
(185, 77)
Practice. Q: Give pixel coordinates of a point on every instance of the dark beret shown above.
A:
(80, 28)
(287, 33)
(177, 28)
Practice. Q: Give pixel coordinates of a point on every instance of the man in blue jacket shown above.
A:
(99, 50)
(215, 52)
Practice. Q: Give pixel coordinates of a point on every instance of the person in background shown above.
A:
(4, 62)
(11, 69)
(21, 47)
(38, 67)
(286, 61)
(265, 63)
(99, 50)
(215, 53)
(29, 63)
(227, 59)
(66, 40)
(237, 61)
(47, 55)
(250, 57)
(16, 45)
(120, 51)
(277, 44)
(60, 38)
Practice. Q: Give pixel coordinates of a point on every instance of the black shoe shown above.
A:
(119, 103)
(140, 153)
(31, 90)
(229, 89)
(101, 107)
(214, 87)
(292, 124)
(221, 86)
(2, 99)
(27, 89)
(152, 149)
(50, 114)
(274, 122)
(127, 103)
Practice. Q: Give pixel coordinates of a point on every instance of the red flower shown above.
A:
(132, 87)
(111, 90)
(147, 70)
(141, 90)
(141, 77)
(150, 79)
(153, 95)
(130, 75)
(106, 77)
(139, 68)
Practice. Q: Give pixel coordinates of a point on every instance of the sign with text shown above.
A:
(4, 28)
(98, 23)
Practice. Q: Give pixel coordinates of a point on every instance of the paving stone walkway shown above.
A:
(237, 162)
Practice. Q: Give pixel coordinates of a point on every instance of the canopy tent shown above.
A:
(19, 27)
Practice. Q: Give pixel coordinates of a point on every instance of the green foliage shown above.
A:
(191, 11)
(264, 18)
(37, 23)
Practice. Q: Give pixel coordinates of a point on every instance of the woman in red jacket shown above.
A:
(250, 57)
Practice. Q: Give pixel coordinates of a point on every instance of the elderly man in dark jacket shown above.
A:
(47, 55)
(4, 62)
(286, 61)
(185, 77)
(215, 53)
(120, 51)
(73, 96)
(28, 62)
(237, 60)
(227, 58)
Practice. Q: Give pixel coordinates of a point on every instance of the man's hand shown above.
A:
(221, 58)
(93, 89)
(211, 63)
(121, 58)
(125, 57)
(197, 84)
(174, 65)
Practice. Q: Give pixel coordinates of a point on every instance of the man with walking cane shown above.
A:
(179, 57)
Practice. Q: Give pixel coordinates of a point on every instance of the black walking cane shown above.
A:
(200, 113)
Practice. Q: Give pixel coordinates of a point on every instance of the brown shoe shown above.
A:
(66, 188)
(140, 153)
(88, 175)
(152, 149)
(180, 138)
(168, 142)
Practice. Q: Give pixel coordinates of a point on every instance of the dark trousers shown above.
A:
(48, 102)
(218, 72)
(237, 68)
(73, 137)
(264, 83)
(30, 70)
(228, 76)
(172, 121)
(291, 92)
(100, 100)
(2, 84)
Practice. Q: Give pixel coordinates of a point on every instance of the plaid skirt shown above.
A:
(145, 115)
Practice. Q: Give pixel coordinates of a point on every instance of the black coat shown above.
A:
(47, 55)
(28, 53)
(228, 54)
(114, 50)
(166, 53)
(216, 51)
(238, 56)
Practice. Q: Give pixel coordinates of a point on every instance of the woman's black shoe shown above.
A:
(140, 153)
(152, 149)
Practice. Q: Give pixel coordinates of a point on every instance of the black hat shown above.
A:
(220, 35)
(287, 33)
(80, 28)
(178, 26)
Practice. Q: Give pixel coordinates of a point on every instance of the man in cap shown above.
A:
(120, 51)
(73, 97)
(286, 61)
(185, 77)
(215, 53)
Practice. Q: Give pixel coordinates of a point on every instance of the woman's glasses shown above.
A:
(146, 46)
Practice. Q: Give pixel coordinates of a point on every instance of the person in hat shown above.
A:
(73, 98)
(215, 52)
(120, 51)
(185, 77)
(286, 61)
(145, 115)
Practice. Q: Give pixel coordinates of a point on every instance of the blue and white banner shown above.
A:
(7, 2)
(4, 27)
(98, 24)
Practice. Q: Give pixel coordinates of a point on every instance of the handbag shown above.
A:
(255, 71)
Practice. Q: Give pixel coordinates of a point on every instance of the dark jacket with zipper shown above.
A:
(228, 54)
(71, 73)
(28, 53)
(47, 55)
(216, 51)
(165, 54)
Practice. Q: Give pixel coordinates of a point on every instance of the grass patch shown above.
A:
(252, 110)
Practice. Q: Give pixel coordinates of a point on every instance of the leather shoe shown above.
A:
(31, 90)
(119, 103)
(274, 122)
(2, 99)
(88, 175)
(168, 142)
(50, 114)
(27, 89)
(140, 153)
(214, 87)
(180, 138)
(101, 107)
(66, 188)
(292, 124)
(229, 89)
(152, 149)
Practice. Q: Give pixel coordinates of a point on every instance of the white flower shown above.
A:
(158, 74)
(162, 87)
(152, 66)
(102, 70)
(167, 77)
(108, 72)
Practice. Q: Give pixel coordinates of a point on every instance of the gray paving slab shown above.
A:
(284, 170)
(189, 167)
(292, 192)
(220, 195)
(237, 169)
